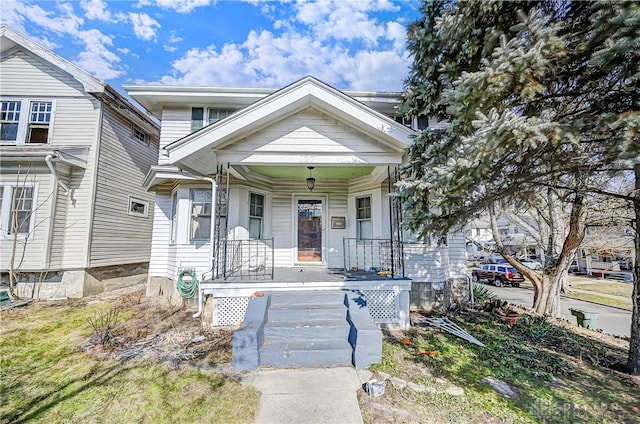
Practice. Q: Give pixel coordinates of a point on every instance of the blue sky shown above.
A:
(350, 44)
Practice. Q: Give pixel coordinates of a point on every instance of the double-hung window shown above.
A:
(363, 218)
(16, 210)
(9, 120)
(39, 120)
(256, 215)
(200, 213)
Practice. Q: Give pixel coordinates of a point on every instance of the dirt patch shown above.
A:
(152, 328)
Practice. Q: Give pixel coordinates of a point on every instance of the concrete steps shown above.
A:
(306, 329)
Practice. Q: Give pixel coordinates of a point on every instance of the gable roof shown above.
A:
(197, 151)
(10, 39)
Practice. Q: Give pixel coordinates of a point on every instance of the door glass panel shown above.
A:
(309, 230)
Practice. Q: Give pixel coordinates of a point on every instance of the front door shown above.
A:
(309, 230)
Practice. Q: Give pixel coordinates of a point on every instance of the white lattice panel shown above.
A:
(229, 310)
(382, 304)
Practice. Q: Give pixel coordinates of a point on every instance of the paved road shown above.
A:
(611, 320)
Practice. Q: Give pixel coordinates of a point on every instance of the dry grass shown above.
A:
(54, 370)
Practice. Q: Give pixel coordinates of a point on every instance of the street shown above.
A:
(611, 320)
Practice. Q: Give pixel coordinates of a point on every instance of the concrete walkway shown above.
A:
(308, 395)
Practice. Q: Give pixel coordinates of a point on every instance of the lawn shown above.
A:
(616, 289)
(46, 377)
(562, 375)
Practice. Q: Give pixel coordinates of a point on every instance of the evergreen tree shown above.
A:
(537, 99)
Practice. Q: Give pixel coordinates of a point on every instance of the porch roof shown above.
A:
(202, 150)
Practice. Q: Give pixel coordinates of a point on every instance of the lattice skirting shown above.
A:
(383, 305)
(229, 310)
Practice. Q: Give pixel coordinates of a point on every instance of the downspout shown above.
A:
(211, 241)
(52, 168)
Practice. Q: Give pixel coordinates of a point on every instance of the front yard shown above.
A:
(155, 364)
(147, 372)
(559, 373)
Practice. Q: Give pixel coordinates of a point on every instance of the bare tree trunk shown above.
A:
(633, 360)
(548, 284)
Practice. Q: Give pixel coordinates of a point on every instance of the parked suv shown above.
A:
(498, 275)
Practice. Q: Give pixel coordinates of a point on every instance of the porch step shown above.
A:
(318, 329)
(307, 353)
(303, 300)
(306, 329)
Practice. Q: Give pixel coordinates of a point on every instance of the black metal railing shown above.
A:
(244, 259)
(374, 256)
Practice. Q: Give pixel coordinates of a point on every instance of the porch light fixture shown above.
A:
(311, 182)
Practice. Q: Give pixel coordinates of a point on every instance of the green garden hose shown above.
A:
(187, 289)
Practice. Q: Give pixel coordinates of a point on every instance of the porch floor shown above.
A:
(307, 274)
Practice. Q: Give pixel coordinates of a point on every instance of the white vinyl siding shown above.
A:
(25, 75)
(162, 261)
(175, 125)
(314, 132)
(117, 235)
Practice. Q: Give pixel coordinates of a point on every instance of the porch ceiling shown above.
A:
(319, 172)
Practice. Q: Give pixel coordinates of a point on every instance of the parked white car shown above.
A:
(529, 263)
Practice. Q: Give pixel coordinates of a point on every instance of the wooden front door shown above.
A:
(309, 230)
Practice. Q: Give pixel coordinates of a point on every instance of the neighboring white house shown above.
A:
(73, 156)
(292, 185)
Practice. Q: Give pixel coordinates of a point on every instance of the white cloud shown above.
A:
(343, 20)
(144, 26)
(181, 6)
(323, 38)
(96, 57)
(96, 10)
(269, 60)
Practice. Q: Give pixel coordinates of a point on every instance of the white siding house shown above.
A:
(73, 156)
(292, 186)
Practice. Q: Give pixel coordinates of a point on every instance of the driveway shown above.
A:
(611, 320)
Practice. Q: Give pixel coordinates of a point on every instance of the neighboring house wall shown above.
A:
(119, 235)
(88, 225)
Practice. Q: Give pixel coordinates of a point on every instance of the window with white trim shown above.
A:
(200, 213)
(138, 207)
(9, 120)
(201, 116)
(363, 218)
(197, 118)
(39, 120)
(216, 114)
(140, 135)
(256, 215)
(16, 210)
